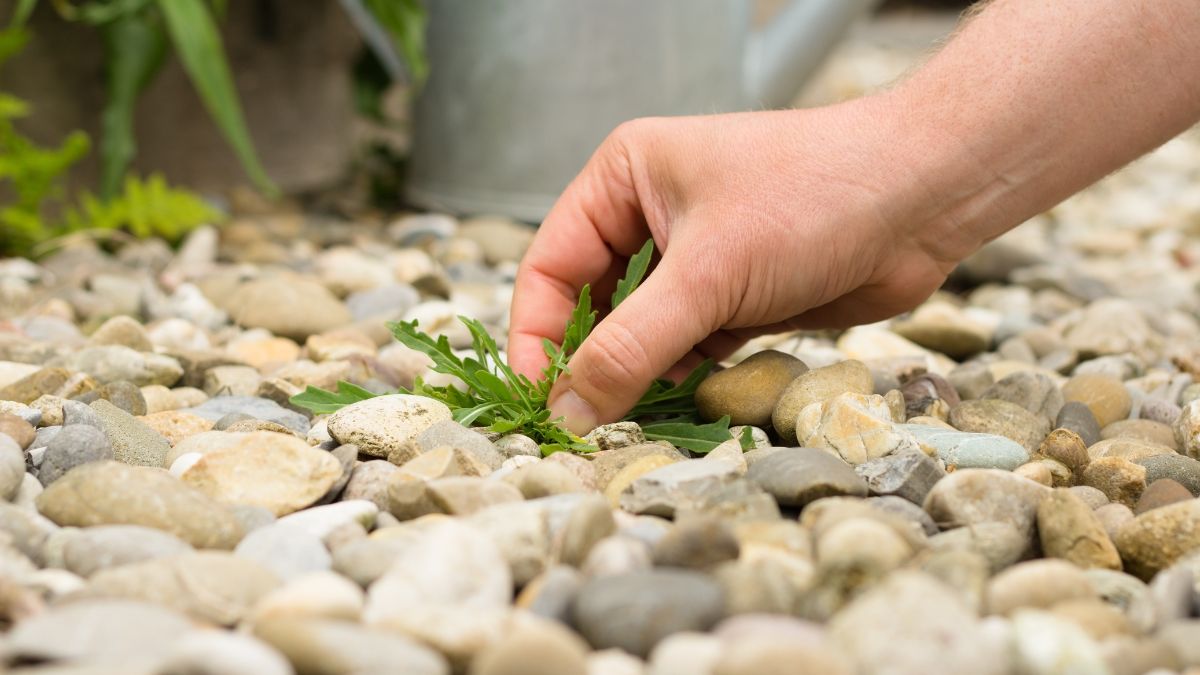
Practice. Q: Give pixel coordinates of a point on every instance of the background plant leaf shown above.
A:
(404, 21)
(320, 401)
(135, 44)
(194, 33)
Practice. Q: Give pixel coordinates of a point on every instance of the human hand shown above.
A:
(765, 222)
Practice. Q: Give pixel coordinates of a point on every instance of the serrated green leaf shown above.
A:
(634, 273)
(686, 434)
(746, 438)
(321, 401)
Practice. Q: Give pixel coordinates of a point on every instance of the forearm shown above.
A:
(1033, 100)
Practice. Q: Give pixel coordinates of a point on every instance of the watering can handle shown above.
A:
(784, 53)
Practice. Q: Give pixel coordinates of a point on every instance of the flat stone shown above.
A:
(278, 472)
(543, 479)
(110, 493)
(1071, 531)
(288, 306)
(1145, 430)
(209, 585)
(610, 462)
(1000, 544)
(1131, 449)
(963, 450)
(697, 543)
(114, 363)
(224, 653)
(797, 476)
(321, 520)
(635, 611)
(540, 648)
(1105, 396)
(816, 386)
(381, 424)
(34, 385)
(132, 442)
(748, 391)
(1001, 418)
(87, 551)
(666, 489)
(329, 647)
(259, 408)
(176, 425)
(448, 434)
(120, 633)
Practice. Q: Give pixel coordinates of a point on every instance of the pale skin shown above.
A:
(852, 213)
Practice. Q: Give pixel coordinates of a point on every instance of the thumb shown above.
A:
(637, 342)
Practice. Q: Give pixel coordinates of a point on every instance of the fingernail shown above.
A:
(578, 415)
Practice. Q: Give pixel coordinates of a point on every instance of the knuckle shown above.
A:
(617, 361)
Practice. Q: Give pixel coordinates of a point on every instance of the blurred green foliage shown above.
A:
(39, 210)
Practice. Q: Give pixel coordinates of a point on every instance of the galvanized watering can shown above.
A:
(521, 92)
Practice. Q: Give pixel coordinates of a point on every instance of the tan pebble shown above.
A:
(1036, 472)
(1105, 396)
(1118, 478)
(1160, 493)
(176, 425)
(632, 472)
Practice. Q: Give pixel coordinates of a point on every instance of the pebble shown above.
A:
(86, 551)
(290, 307)
(330, 647)
(608, 463)
(637, 610)
(321, 520)
(1127, 448)
(1182, 469)
(678, 485)
(944, 328)
(1001, 418)
(314, 595)
(1149, 431)
(17, 429)
(857, 427)
(1160, 493)
(697, 543)
(1154, 540)
(974, 496)
(797, 476)
(887, 628)
(213, 586)
(132, 442)
(176, 425)
(114, 363)
(287, 551)
(964, 450)
(12, 468)
(1036, 583)
(1070, 530)
(1078, 417)
(121, 634)
(258, 408)
(369, 481)
(278, 472)
(381, 424)
(1118, 478)
(213, 652)
(110, 493)
(1045, 644)
(1112, 517)
(615, 435)
(448, 434)
(816, 386)
(1106, 397)
(749, 391)
(1035, 392)
(538, 648)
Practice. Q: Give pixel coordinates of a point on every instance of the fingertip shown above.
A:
(578, 416)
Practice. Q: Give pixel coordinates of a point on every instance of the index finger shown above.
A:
(598, 217)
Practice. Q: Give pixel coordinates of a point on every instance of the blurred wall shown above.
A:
(291, 64)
